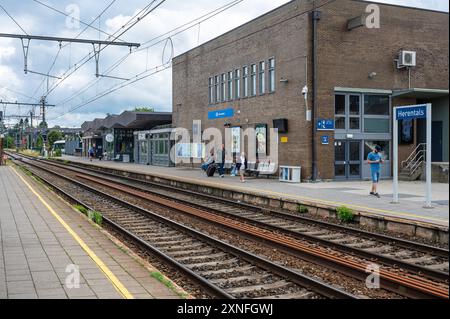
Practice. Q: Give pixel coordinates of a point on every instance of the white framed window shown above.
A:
(230, 90)
(253, 80)
(272, 82)
(262, 77)
(237, 84)
(223, 87)
(217, 89)
(211, 90)
(245, 81)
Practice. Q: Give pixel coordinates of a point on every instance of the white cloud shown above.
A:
(154, 91)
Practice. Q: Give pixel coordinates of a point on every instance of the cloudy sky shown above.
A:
(73, 94)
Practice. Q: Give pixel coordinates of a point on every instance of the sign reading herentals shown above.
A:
(220, 114)
(412, 112)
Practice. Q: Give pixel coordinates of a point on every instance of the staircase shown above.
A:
(412, 168)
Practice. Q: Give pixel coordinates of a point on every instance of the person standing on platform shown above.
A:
(243, 167)
(91, 153)
(221, 157)
(375, 160)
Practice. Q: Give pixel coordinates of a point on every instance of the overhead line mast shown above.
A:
(25, 39)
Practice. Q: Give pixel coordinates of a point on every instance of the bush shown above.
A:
(302, 209)
(58, 153)
(345, 214)
(96, 217)
(81, 208)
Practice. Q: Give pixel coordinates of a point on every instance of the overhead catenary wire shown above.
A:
(65, 45)
(82, 22)
(69, 44)
(180, 29)
(83, 61)
(3, 8)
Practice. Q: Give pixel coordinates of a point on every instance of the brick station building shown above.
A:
(355, 75)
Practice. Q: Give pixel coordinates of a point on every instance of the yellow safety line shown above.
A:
(108, 273)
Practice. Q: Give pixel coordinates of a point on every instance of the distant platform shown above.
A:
(353, 194)
(46, 246)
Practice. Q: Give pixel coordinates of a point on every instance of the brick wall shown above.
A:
(346, 58)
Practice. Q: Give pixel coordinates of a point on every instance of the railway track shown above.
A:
(287, 227)
(224, 271)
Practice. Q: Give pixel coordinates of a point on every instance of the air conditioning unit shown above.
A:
(406, 59)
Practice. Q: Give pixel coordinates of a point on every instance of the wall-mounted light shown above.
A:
(372, 75)
(283, 80)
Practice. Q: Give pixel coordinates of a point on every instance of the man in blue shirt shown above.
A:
(375, 160)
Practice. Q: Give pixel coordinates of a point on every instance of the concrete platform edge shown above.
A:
(400, 225)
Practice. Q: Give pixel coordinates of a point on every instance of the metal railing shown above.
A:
(415, 160)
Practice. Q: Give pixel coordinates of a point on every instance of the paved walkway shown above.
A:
(353, 194)
(38, 249)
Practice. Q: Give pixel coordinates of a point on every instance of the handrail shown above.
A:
(414, 154)
(415, 159)
(416, 166)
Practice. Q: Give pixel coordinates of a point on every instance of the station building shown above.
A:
(114, 137)
(354, 73)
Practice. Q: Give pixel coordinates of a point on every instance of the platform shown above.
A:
(43, 241)
(353, 194)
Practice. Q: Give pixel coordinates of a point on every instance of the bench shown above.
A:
(262, 168)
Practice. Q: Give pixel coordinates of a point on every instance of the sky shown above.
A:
(72, 94)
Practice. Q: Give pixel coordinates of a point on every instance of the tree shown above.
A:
(144, 109)
(52, 137)
(43, 125)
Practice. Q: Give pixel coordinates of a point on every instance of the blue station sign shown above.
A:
(325, 125)
(325, 140)
(220, 114)
(411, 112)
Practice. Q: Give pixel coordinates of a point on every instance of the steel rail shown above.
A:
(300, 279)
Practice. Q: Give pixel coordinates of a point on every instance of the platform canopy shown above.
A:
(418, 93)
(129, 120)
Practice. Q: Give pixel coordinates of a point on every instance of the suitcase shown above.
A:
(211, 170)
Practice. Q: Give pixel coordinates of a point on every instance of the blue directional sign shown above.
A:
(220, 114)
(325, 125)
(325, 140)
(412, 112)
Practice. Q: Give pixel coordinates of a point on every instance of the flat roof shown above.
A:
(420, 93)
(289, 3)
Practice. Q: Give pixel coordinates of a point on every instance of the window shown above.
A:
(355, 112)
(271, 75)
(211, 91)
(230, 86)
(339, 111)
(223, 87)
(376, 125)
(217, 89)
(376, 105)
(245, 81)
(237, 84)
(253, 80)
(262, 78)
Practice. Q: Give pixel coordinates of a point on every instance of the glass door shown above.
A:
(347, 157)
(340, 159)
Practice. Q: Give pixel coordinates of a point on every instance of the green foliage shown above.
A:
(8, 142)
(57, 153)
(53, 136)
(302, 209)
(96, 217)
(144, 109)
(81, 208)
(345, 214)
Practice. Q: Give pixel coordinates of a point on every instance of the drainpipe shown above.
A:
(315, 18)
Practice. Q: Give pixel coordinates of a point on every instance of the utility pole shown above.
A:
(44, 128)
